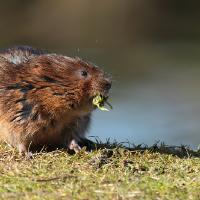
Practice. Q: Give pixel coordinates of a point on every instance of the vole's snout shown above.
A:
(107, 84)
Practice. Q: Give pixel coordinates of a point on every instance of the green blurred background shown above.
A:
(150, 47)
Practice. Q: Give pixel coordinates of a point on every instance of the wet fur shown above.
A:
(44, 101)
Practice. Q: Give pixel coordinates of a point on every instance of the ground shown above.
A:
(109, 172)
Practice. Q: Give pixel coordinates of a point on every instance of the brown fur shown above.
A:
(45, 100)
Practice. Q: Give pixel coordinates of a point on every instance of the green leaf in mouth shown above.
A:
(99, 101)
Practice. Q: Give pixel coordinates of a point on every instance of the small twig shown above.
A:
(56, 178)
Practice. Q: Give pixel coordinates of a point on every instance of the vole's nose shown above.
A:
(107, 84)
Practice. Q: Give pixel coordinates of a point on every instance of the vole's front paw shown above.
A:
(73, 145)
(23, 151)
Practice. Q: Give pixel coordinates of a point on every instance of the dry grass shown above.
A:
(110, 172)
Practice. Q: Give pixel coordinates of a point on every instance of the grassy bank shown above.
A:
(107, 173)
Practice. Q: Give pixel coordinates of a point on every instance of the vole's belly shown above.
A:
(47, 139)
(51, 136)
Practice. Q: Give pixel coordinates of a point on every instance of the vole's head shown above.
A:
(92, 79)
(68, 82)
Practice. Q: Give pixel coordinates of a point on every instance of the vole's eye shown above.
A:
(84, 73)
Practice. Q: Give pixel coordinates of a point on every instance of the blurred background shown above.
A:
(152, 49)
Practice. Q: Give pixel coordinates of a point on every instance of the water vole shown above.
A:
(46, 99)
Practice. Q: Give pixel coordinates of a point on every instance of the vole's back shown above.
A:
(20, 54)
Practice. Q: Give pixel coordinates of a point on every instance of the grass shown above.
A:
(109, 172)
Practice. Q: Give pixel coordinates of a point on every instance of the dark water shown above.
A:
(155, 97)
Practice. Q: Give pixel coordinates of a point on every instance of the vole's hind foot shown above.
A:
(73, 145)
(23, 151)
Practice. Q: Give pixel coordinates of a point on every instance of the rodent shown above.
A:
(46, 99)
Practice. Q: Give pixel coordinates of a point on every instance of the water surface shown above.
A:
(155, 99)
